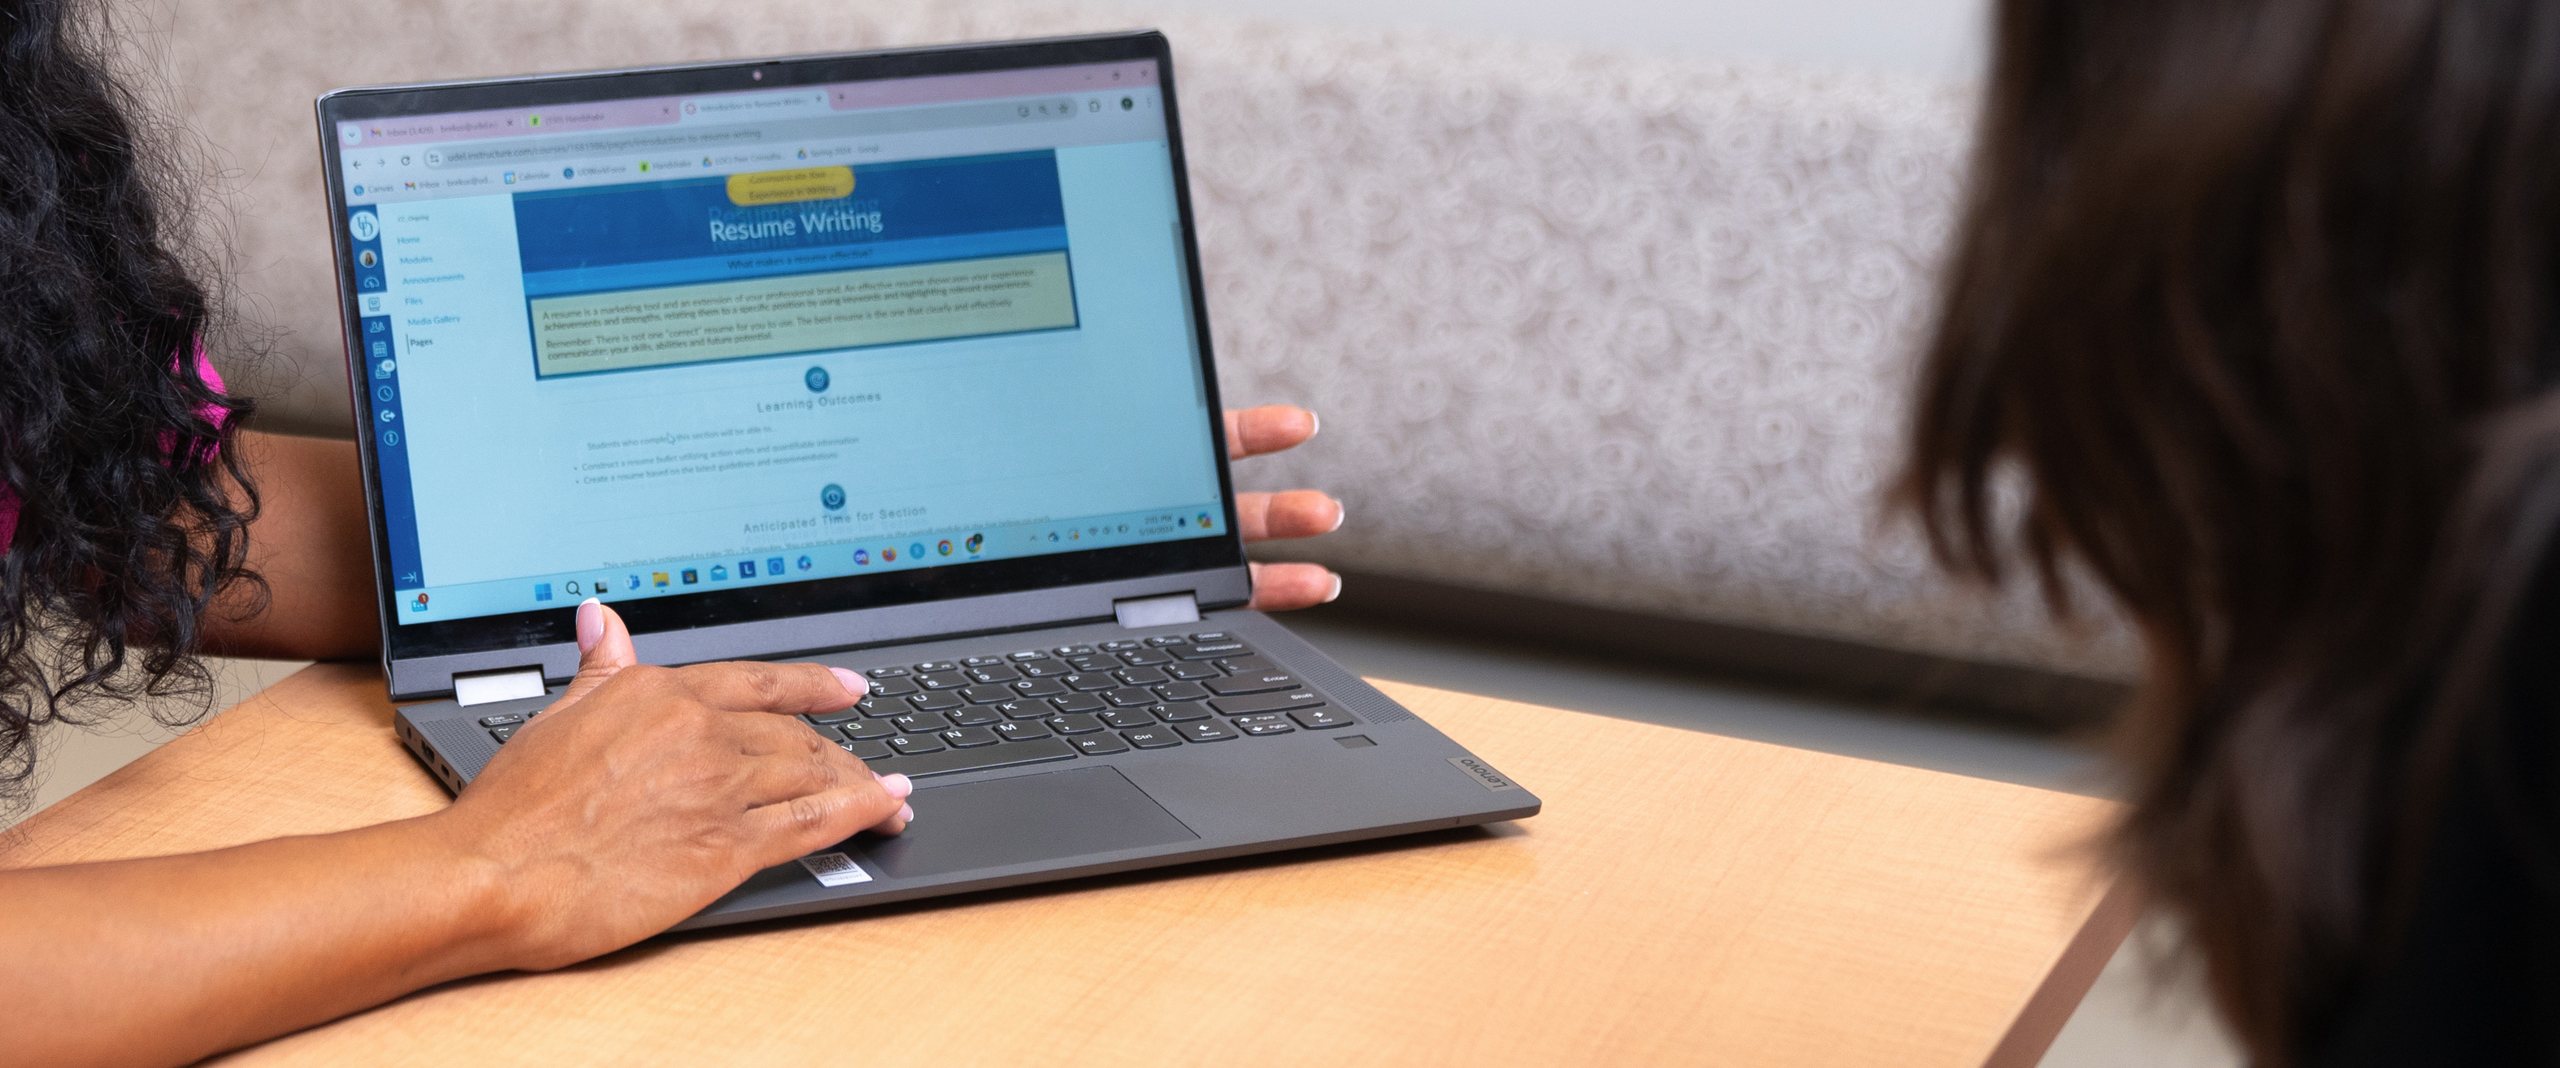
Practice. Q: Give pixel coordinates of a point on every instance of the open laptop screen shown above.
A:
(679, 344)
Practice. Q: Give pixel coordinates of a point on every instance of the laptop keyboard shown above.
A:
(1030, 706)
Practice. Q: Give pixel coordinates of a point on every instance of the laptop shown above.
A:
(892, 361)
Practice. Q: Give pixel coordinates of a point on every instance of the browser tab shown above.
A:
(752, 107)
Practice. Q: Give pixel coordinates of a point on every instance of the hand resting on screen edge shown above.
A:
(1289, 514)
(639, 797)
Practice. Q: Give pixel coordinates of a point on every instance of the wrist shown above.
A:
(490, 921)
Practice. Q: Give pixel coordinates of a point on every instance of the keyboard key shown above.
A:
(1075, 724)
(1027, 654)
(1025, 709)
(887, 673)
(1078, 702)
(1021, 731)
(1073, 650)
(1216, 650)
(1181, 691)
(829, 719)
(943, 680)
(1191, 672)
(1261, 720)
(931, 666)
(934, 702)
(1121, 645)
(1128, 717)
(1238, 665)
(987, 693)
(1100, 744)
(503, 733)
(1256, 682)
(1213, 636)
(1207, 730)
(969, 737)
(1042, 669)
(998, 673)
(1139, 676)
(1260, 729)
(921, 722)
(868, 730)
(913, 744)
(894, 688)
(1088, 681)
(1152, 738)
(867, 751)
(1093, 662)
(974, 716)
(1266, 702)
(1166, 639)
(977, 758)
(981, 661)
(1316, 719)
(1144, 657)
(1131, 696)
(1179, 711)
(1039, 687)
(506, 720)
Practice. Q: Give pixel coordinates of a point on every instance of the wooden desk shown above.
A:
(1685, 898)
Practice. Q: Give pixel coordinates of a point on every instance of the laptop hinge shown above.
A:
(1158, 610)
(504, 684)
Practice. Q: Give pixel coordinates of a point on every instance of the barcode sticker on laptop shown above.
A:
(834, 869)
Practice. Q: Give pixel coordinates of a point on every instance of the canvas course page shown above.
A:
(656, 347)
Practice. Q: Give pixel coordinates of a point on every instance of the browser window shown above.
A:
(652, 347)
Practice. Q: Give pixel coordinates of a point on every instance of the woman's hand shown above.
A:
(645, 793)
(1289, 514)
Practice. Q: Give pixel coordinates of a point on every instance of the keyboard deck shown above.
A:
(1031, 706)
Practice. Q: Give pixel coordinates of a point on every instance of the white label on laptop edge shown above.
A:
(834, 869)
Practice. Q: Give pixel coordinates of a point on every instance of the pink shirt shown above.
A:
(9, 498)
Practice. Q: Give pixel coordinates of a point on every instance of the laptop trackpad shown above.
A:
(1022, 820)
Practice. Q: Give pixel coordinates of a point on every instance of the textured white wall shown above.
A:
(1940, 38)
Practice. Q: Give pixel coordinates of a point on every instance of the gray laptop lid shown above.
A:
(777, 357)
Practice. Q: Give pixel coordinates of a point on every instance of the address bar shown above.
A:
(853, 124)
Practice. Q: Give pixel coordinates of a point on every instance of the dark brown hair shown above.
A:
(2255, 303)
(127, 528)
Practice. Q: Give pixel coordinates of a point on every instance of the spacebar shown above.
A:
(953, 761)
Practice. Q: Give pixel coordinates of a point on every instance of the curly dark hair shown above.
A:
(129, 525)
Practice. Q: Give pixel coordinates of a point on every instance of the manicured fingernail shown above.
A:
(590, 624)
(853, 682)
(1340, 513)
(906, 813)
(897, 785)
(1336, 592)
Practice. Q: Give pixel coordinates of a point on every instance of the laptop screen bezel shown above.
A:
(455, 640)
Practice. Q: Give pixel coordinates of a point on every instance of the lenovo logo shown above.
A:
(1486, 776)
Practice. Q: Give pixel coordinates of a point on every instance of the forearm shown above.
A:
(170, 959)
(311, 545)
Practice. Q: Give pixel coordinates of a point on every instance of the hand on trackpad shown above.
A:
(1023, 820)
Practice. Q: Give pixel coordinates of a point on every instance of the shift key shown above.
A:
(1267, 702)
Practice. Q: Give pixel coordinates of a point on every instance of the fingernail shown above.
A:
(853, 682)
(1340, 513)
(897, 785)
(590, 624)
(1315, 423)
(1337, 590)
(906, 813)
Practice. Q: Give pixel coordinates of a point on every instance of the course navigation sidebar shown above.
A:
(380, 379)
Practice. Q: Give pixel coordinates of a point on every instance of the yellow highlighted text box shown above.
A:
(790, 187)
(635, 328)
